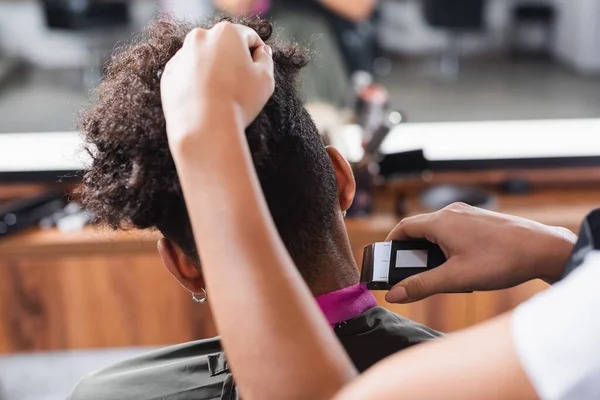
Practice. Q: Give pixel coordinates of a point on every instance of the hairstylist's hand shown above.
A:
(217, 73)
(485, 251)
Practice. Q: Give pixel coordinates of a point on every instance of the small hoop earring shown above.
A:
(344, 213)
(201, 300)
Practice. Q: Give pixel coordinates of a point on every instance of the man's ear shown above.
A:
(180, 266)
(344, 176)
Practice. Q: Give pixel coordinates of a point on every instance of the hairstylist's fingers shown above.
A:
(194, 35)
(423, 285)
(263, 62)
(417, 227)
(249, 36)
(253, 40)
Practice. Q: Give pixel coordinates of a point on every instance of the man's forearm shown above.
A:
(242, 257)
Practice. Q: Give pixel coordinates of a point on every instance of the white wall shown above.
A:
(578, 36)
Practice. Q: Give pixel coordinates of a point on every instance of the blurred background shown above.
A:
(491, 102)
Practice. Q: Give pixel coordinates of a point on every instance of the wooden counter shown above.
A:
(99, 288)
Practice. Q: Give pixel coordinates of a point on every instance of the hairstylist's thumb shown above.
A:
(423, 285)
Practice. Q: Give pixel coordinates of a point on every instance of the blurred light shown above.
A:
(505, 140)
(395, 118)
(374, 168)
(10, 219)
(348, 141)
(42, 151)
(382, 66)
(361, 79)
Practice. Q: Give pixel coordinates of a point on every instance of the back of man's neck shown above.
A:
(339, 271)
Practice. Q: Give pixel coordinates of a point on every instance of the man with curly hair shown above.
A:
(132, 182)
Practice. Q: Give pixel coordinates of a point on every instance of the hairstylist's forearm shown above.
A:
(211, 90)
(357, 10)
(262, 309)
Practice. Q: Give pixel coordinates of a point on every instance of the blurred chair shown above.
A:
(456, 17)
(97, 21)
(532, 28)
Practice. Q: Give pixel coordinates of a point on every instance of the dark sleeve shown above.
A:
(195, 370)
(589, 240)
(379, 333)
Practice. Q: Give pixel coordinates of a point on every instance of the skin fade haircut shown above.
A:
(132, 181)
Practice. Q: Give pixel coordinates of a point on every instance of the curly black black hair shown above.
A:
(132, 181)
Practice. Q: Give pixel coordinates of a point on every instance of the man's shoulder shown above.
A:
(401, 324)
(383, 321)
(192, 370)
(378, 333)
